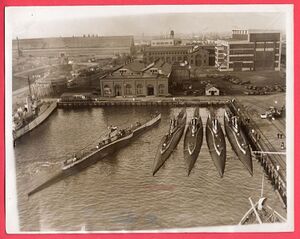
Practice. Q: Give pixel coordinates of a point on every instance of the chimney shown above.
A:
(172, 34)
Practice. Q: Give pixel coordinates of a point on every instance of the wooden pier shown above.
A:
(271, 160)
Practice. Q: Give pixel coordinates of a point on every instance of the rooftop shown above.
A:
(74, 42)
(135, 66)
(167, 48)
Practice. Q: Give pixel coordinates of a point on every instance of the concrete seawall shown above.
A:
(176, 102)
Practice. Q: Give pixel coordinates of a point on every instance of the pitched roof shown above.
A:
(135, 66)
(167, 48)
(209, 86)
(165, 67)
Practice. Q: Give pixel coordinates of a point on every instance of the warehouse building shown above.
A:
(249, 50)
(193, 55)
(74, 46)
(136, 79)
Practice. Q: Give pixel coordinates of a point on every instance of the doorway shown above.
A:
(118, 90)
(150, 90)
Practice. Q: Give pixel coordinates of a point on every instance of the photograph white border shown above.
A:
(12, 223)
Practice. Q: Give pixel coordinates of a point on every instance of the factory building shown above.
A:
(74, 46)
(194, 56)
(171, 51)
(136, 79)
(169, 54)
(249, 50)
(163, 42)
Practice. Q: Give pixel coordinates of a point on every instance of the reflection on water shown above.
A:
(119, 192)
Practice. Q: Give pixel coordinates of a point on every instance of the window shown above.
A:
(161, 89)
(118, 90)
(128, 89)
(107, 90)
(139, 89)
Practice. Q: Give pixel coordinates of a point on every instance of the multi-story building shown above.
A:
(136, 79)
(249, 50)
(170, 54)
(192, 55)
(163, 42)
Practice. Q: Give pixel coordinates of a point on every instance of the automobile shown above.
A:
(196, 93)
(263, 116)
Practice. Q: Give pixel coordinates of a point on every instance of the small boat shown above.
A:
(115, 140)
(237, 139)
(193, 140)
(170, 140)
(260, 212)
(216, 142)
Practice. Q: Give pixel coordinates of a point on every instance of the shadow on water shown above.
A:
(110, 161)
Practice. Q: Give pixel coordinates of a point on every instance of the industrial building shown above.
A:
(170, 54)
(136, 79)
(249, 50)
(172, 51)
(74, 46)
(196, 56)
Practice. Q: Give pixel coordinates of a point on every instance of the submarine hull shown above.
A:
(192, 143)
(216, 146)
(160, 158)
(243, 153)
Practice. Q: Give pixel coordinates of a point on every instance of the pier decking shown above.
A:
(266, 144)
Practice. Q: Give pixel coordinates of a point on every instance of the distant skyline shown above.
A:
(35, 22)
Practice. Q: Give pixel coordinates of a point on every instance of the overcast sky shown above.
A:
(28, 22)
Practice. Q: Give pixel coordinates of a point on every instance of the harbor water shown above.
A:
(119, 192)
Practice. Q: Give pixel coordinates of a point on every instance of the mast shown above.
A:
(30, 93)
(262, 186)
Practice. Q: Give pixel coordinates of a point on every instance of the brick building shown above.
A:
(249, 50)
(193, 55)
(136, 79)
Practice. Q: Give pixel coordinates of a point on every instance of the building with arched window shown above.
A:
(137, 79)
(196, 56)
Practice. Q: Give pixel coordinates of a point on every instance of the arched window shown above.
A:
(118, 90)
(107, 90)
(198, 60)
(161, 89)
(128, 89)
(139, 89)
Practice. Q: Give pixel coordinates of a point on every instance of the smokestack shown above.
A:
(172, 34)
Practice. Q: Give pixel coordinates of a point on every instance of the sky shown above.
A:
(34, 22)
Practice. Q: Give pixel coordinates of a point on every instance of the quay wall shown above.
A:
(175, 103)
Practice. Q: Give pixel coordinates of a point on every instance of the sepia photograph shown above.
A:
(154, 118)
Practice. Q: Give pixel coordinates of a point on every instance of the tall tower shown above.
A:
(172, 34)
